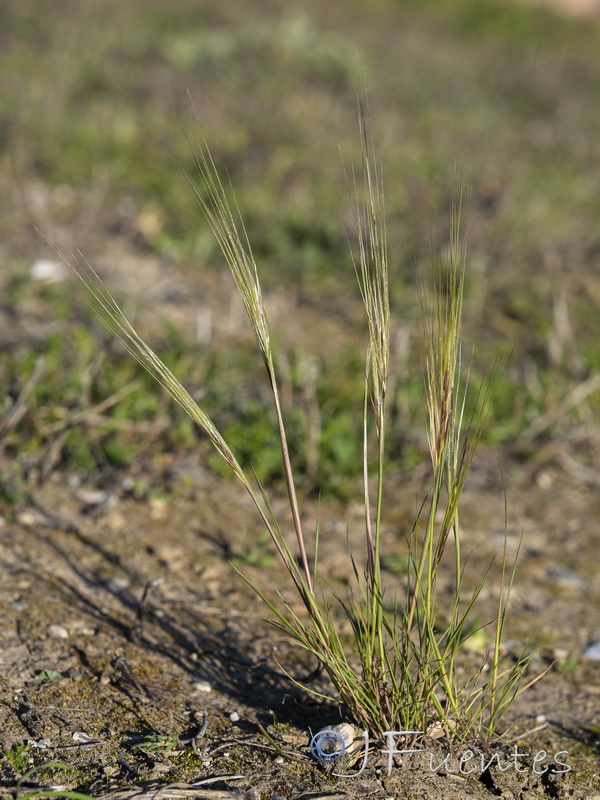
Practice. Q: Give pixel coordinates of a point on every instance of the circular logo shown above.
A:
(324, 746)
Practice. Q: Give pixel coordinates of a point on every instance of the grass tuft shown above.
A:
(406, 667)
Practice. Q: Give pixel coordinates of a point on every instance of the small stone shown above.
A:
(279, 760)
(96, 498)
(82, 736)
(117, 584)
(545, 479)
(86, 631)
(47, 269)
(329, 740)
(58, 632)
(31, 516)
(202, 686)
(540, 719)
(560, 654)
(42, 744)
(592, 652)
(234, 716)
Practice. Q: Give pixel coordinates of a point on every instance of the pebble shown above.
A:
(117, 584)
(58, 632)
(592, 652)
(94, 498)
(32, 516)
(332, 744)
(46, 269)
(41, 744)
(202, 686)
(545, 479)
(234, 716)
(561, 654)
(85, 630)
(82, 736)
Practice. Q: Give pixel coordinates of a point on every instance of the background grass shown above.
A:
(94, 118)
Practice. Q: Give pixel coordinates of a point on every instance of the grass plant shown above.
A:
(404, 669)
(42, 792)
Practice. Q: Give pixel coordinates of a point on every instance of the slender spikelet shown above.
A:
(371, 270)
(233, 240)
(443, 353)
(372, 273)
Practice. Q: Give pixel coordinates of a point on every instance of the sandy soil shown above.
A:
(123, 622)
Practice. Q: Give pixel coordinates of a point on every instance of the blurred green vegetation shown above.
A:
(99, 108)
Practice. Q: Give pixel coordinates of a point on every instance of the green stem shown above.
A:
(289, 479)
(376, 589)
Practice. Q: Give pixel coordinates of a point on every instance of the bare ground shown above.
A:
(124, 629)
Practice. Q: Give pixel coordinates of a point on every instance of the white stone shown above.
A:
(58, 632)
(592, 652)
(202, 686)
(46, 269)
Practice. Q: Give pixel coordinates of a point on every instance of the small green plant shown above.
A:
(47, 675)
(404, 668)
(161, 744)
(18, 756)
